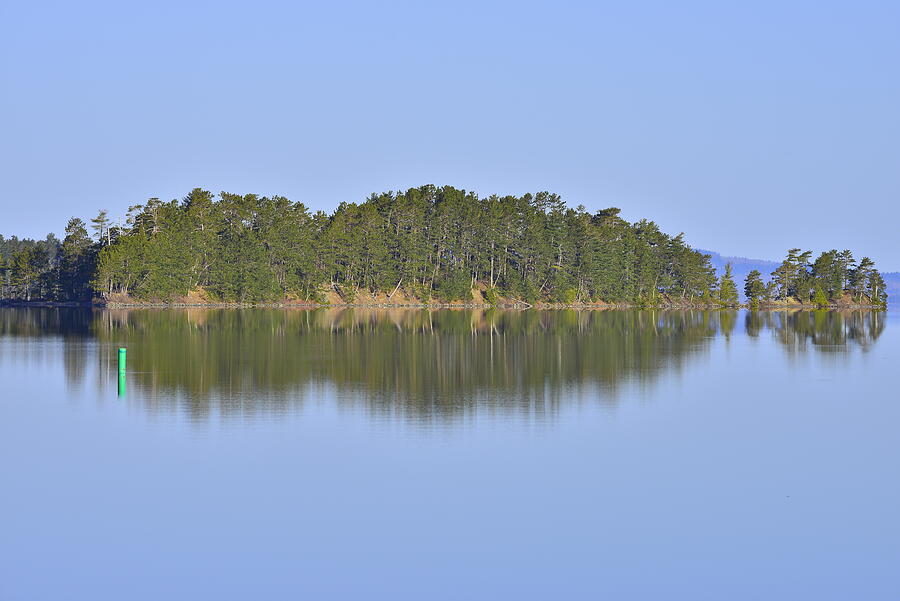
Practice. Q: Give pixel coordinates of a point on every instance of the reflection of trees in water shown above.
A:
(417, 363)
(68, 322)
(72, 325)
(826, 331)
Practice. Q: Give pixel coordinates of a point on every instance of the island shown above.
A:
(426, 246)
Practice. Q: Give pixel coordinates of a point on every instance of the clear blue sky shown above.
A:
(752, 126)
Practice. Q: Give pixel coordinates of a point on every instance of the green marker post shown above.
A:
(121, 372)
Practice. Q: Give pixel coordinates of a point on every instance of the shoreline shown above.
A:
(521, 306)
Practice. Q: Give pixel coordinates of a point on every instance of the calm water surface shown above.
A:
(449, 455)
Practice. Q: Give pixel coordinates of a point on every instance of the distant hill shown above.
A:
(892, 279)
(742, 266)
(740, 263)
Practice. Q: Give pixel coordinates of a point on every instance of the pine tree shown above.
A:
(859, 277)
(754, 289)
(101, 225)
(427, 242)
(76, 263)
(819, 298)
(728, 293)
(876, 288)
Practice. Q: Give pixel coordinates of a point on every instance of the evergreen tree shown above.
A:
(727, 293)
(429, 242)
(76, 264)
(819, 299)
(101, 225)
(875, 288)
(859, 277)
(754, 289)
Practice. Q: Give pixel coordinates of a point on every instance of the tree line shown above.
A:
(432, 243)
(833, 277)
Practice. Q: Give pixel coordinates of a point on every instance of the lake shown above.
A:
(406, 454)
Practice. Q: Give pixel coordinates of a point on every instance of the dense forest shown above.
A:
(432, 244)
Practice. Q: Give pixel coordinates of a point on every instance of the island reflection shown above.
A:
(418, 364)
